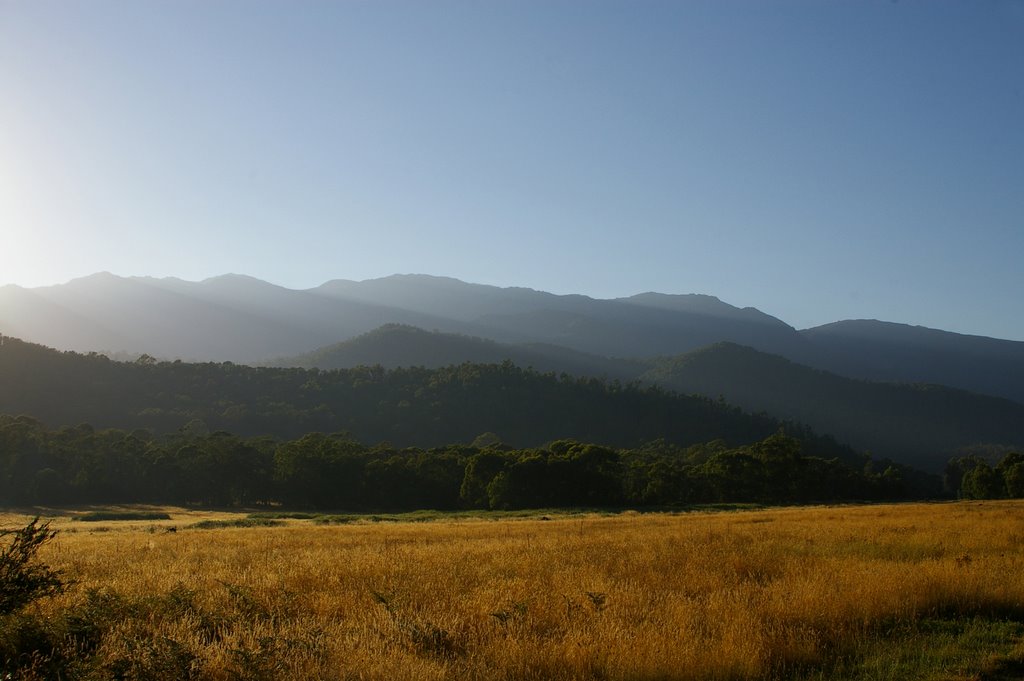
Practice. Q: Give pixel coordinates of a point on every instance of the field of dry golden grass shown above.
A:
(737, 595)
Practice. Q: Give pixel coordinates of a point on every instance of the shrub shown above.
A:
(22, 578)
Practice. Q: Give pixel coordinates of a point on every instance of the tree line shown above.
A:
(975, 478)
(81, 465)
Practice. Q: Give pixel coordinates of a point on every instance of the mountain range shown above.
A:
(245, 320)
(902, 391)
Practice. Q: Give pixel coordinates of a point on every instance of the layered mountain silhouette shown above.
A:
(227, 318)
(242, 319)
(849, 378)
(245, 320)
(641, 326)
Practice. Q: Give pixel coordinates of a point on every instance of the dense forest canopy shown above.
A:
(919, 425)
(466, 436)
(80, 464)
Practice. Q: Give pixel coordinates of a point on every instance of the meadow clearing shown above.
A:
(854, 592)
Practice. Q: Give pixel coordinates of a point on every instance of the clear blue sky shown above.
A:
(818, 160)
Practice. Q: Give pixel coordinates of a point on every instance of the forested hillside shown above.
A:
(920, 424)
(467, 436)
(406, 407)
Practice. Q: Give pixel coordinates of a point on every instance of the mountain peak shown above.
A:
(702, 304)
(231, 277)
(96, 278)
(875, 328)
(238, 284)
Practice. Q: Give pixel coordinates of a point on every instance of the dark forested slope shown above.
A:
(920, 424)
(418, 406)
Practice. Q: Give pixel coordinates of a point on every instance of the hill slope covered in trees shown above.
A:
(920, 424)
(407, 407)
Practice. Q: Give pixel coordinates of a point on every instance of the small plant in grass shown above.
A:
(420, 634)
(516, 610)
(154, 658)
(29, 646)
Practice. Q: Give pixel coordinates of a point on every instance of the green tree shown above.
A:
(982, 482)
(322, 471)
(481, 470)
(524, 484)
(1011, 469)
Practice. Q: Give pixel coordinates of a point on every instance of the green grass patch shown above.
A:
(435, 516)
(337, 519)
(235, 522)
(283, 515)
(936, 649)
(427, 515)
(99, 516)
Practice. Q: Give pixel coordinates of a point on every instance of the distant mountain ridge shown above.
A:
(886, 351)
(231, 317)
(246, 320)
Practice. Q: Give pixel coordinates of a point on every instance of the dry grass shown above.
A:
(743, 595)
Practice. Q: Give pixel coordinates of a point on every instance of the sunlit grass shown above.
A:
(869, 592)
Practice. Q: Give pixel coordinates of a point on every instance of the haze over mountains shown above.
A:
(850, 379)
(241, 319)
(245, 320)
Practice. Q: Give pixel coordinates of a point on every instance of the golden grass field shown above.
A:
(822, 592)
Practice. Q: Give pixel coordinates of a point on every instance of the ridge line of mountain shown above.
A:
(247, 320)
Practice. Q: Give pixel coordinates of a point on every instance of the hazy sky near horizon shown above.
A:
(816, 159)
